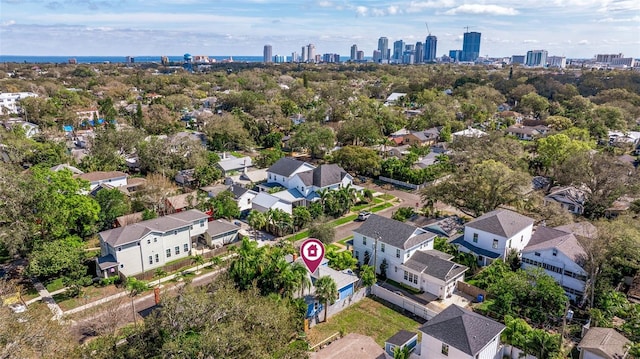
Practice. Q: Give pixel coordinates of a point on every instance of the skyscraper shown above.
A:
(311, 53)
(471, 46)
(266, 54)
(354, 52)
(305, 55)
(419, 53)
(536, 58)
(430, 48)
(377, 56)
(398, 50)
(383, 47)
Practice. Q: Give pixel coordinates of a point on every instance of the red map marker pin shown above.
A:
(312, 253)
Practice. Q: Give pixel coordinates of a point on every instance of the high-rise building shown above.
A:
(557, 61)
(430, 48)
(409, 54)
(536, 58)
(294, 57)
(311, 53)
(383, 47)
(305, 55)
(608, 58)
(354, 52)
(398, 50)
(360, 55)
(419, 53)
(377, 56)
(266, 54)
(455, 55)
(471, 46)
(517, 59)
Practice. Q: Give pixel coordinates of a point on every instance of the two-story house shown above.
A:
(494, 234)
(408, 253)
(461, 334)
(112, 178)
(147, 245)
(561, 256)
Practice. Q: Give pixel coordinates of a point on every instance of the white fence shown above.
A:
(403, 302)
(339, 306)
(515, 353)
(401, 183)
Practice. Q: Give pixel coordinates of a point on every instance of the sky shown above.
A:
(571, 28)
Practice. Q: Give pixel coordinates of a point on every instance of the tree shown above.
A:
(113, 203)
(224, 206)
(135, 287)
(401, 352)
(322, 230)
(367, 275)
(301, 217)
(326, 292)
(340, 260)
(159, 273)
(361, 160)
(154, 192)
(534, 104)
(313, 137)
(486, 186)
(257, 221)
(198, 260)
(554, 150)
(50, 259)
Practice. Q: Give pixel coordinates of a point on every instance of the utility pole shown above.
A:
(564, 323)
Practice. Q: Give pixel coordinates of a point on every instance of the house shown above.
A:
(220, 233)
(603, 343)
(408, 253)
(9, 101)
(243, 197)
(350, 346)
(186, 177)
(401, 339)
(302, 181)
(561, 256)
(524, 133)
(113, 178)
(128, 219)
(229, 164)
(29, 129)
(133, 184)
(180, 202)
(87, 115)
(264, 201)
(150, 244)
(393, 98)
(422, 138)
(617, 138)
(619, 206)
(66, 166)
(493, 234)
(570, 198)
(458, 333)
(469, 132)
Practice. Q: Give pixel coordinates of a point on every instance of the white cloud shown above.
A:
(482, 9)
(393, 10)
(8, 23)
(583, 42)
(325, 4)
(530, 41)
(362, 10)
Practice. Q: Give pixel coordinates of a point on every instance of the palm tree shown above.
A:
(301, 278)
(401, 352)
(257, 220)
(514, 332)
(135, 287)
(327, 292)
(159, 273)
(198, 260)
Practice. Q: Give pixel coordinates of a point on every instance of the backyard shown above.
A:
(368, 317)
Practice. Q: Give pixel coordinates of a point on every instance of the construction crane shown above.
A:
(429, 31)
(467, 28)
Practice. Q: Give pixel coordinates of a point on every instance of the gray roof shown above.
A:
(285, 166)
(565, 242)
(233, 163)
(433, 263)
(393, 233)
(401, 337)
(219, 226)
(580, 229)
(237, 191)
(327, 175)
(464, 330)
(131, 233)
(106, 262)
(501, 222)
(606, 342)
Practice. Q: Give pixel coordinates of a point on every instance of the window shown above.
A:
(397, 253)
(537, 254)
(357, 255)
(475, 238)
(177, 249)
(410, 277)
(495, 244)
(445, 349)
(555, 252)
(509, 244)
(186, 247)
(521, 238)
(168, 253)
(148, 241)
(157, 258)
(155, 240)
(150, 259)
(364, 240)
(381, 247)
(396, 269)
(202, 223)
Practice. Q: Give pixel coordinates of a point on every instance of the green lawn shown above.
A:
(387, 197)
(381, 207)
(298, 236)
(344, 241)
(367, 317)
(343, 220)
(55, 285)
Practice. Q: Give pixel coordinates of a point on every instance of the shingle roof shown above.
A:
(237, 191)
(565, 242)
(100, 175)
(285, 166)
(131, 233)
(606, 342)
(434, 264)
(393, 233)
(401, 337)
(183, 200)
(219, 226)
(464, 330)
(477, 250)
(501, 222)
(581, 229)
(326, 175)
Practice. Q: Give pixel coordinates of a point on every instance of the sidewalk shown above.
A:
(47, 298)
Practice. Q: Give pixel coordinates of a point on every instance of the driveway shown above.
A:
(422, 298)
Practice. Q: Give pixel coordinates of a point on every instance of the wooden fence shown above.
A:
(471, 290)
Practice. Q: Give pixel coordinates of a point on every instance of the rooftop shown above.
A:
(501, 222)
(435, 264)
(606, 342)
(393, 233)
(565, 242)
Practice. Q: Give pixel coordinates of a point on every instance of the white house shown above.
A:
(147, 245)
(456, 333)
(570, 198)
(229, 163)
(264, 201)
(409, 255)
(603, 343)
(243, 196)
(9, 101)
(561, 256)
(493, 234)
(112, 178)
(220, 233)
(469, 132)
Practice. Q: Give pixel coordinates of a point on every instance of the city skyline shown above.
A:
(571, 28)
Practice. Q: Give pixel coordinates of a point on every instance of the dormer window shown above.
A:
(555, 252)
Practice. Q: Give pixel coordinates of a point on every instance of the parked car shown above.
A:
(362, 216)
